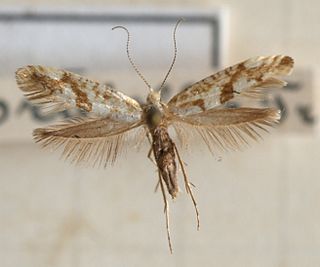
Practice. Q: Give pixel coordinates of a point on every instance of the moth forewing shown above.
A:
(57, 90)
(248, 78)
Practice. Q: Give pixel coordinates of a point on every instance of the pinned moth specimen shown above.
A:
(198, 110)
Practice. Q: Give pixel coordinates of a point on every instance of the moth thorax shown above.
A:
(153, 116)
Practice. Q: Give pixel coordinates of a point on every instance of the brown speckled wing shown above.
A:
(248, 78)
(57, 90)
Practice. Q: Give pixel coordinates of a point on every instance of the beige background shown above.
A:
(259, 207)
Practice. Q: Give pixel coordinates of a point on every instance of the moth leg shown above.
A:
(156, 187)
(150, 157)
(188, 188)
(152, 160)
(151, 150)
(166, 211)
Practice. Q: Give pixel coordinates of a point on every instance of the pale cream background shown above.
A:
(259, 207)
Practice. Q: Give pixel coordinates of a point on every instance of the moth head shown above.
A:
(153, 97)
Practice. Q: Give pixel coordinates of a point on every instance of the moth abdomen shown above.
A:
(164, 153)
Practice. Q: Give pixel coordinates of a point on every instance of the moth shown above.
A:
(113, 117)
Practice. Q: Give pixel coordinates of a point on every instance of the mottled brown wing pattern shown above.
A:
(96, 141)
(111, 126)
(249, 78)
(57, 90)
(225, 129)
(198, 109)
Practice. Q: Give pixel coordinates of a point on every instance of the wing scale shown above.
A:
(248, 78)
(59, 89)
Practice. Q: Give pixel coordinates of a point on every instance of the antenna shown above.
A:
(129, 56)
(175, 49)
